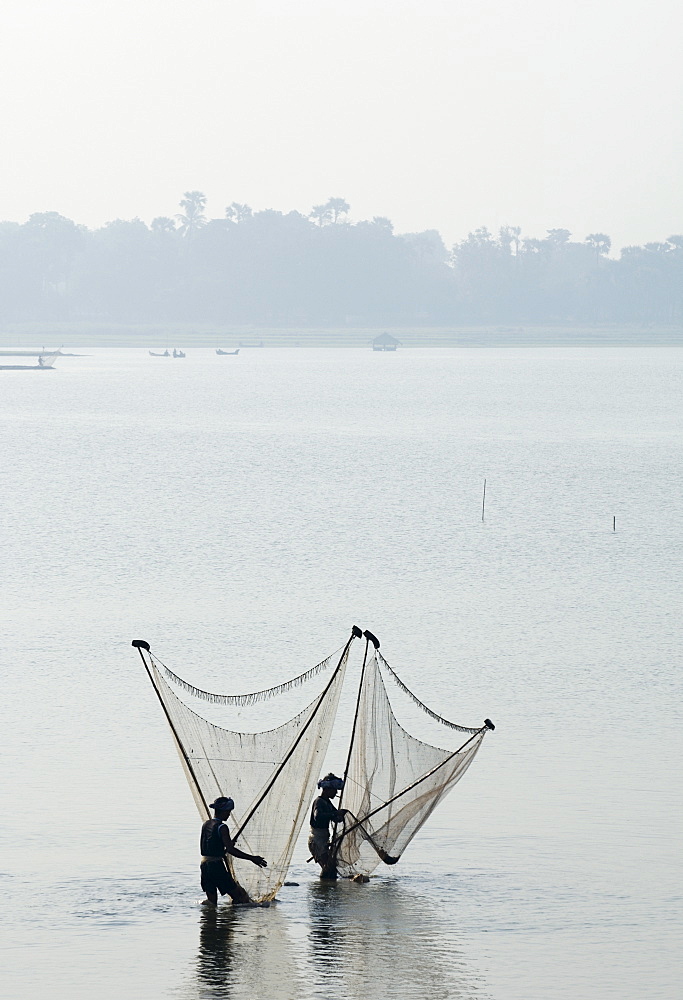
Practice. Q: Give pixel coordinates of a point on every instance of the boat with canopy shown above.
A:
(393, 781)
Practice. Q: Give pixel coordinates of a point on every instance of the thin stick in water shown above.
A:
(483, 501)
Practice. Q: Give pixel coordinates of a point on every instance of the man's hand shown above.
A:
(261, 862)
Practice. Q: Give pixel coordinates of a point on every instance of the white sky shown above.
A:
(438, 115)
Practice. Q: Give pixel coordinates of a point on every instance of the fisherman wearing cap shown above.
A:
(322, 814)
(214, 844)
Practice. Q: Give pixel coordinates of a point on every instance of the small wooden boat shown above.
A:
(45, 363)
(155, 354)
(218, 351)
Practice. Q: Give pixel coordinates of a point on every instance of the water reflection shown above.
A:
(244, 954)
(374, 941)
(215, 972)
(343, 942)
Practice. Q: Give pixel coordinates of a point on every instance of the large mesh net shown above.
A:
(270, 775)
(394, 781)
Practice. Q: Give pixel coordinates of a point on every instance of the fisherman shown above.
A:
(322, 814)
(214, 844)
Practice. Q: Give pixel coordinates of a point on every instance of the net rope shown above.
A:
(394, 780)
(428, 711)
(251, 697)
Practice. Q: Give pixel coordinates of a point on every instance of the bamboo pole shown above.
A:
(354, 634)
(140, 644)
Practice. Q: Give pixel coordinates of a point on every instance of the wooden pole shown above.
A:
(353, 735)
(355, 718)
(355, 634)
(483, 501)
(140, 644)
(614, 523)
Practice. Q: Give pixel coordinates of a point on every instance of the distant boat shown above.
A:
(178, 354)
(154, 354)
(260, 344)
(218, 351)
(45, 363)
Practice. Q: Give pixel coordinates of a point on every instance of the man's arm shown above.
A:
(332, 813)
(236, 853)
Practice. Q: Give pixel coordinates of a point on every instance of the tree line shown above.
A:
(292, 269)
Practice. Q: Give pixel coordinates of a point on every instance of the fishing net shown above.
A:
(271, 775)
(394, 781)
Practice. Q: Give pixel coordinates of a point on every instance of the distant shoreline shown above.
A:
(35, 336)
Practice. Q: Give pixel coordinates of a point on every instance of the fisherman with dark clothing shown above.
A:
(214, 844)
(322, 814)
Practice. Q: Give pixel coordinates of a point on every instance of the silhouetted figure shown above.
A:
(322, 814)
(214, 844)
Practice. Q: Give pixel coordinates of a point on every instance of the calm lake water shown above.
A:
(241, 513)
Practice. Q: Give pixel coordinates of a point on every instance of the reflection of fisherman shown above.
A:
(214, 844)
(322, 814)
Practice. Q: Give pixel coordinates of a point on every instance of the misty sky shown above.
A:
(437, 115)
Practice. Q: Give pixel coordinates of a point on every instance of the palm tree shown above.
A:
(331, 211)
(238, 213)
(193, 204)
(601, 243)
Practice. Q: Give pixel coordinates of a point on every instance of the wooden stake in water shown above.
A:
(483, 501)
(614, 523)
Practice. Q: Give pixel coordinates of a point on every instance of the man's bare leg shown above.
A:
(240, 898)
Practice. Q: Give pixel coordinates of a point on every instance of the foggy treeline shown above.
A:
(294, 269)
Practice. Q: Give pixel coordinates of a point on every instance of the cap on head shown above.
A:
(331, 781)
(223, 804)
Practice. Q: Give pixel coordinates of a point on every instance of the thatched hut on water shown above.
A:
(385, 342)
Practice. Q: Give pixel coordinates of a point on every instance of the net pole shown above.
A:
(355, 717)
(414, 784)
(170, 722)
(353, 732)
(356, 633)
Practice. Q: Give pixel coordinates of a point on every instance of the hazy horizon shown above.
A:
(436, 117)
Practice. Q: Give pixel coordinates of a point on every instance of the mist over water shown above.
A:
(241, 514)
